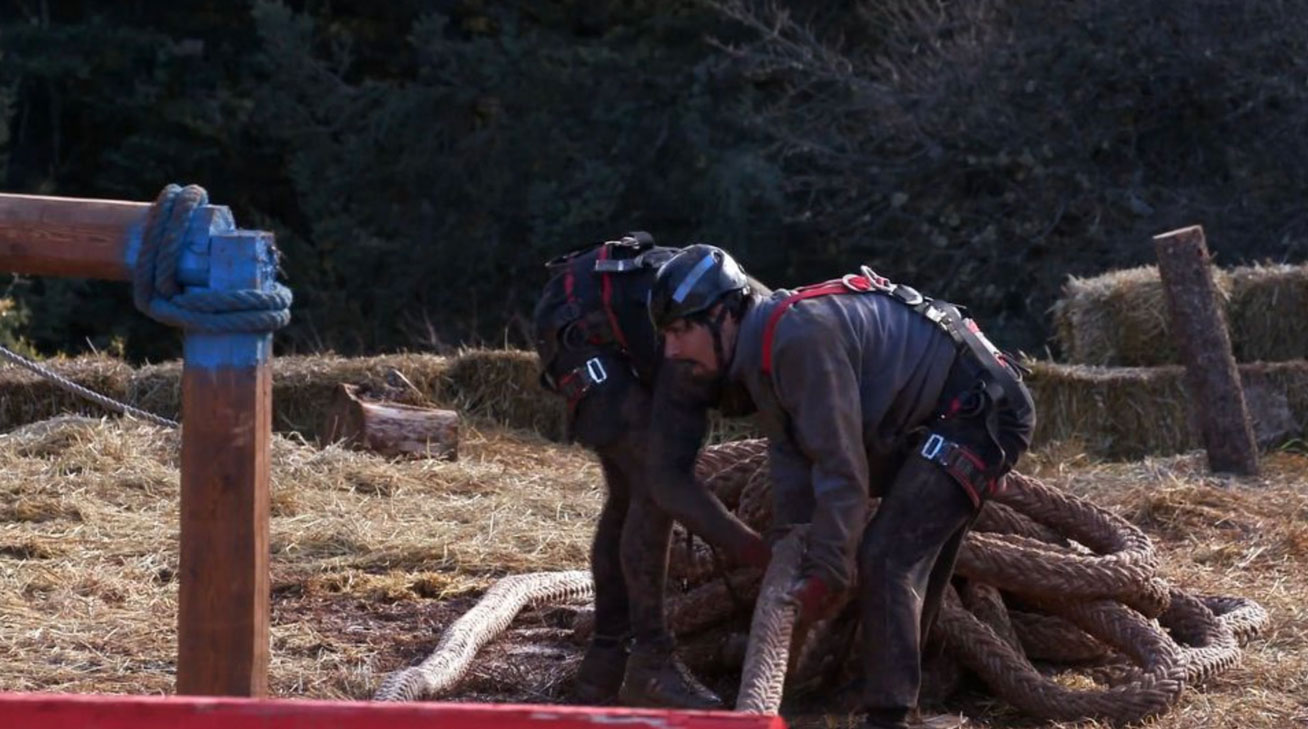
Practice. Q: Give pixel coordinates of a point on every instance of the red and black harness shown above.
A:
(999, 378)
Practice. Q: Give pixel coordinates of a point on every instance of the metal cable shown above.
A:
(102, 400)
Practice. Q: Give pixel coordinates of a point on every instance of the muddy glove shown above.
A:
(812, 598)
(756, 553)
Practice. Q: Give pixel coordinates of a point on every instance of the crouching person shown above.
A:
(865, 389)
(599, 350)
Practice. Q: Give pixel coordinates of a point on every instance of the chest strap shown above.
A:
(961, 329)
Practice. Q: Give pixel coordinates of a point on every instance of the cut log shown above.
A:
(390, 429)
(1199, 328)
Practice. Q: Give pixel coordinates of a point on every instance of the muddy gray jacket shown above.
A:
(851, 375)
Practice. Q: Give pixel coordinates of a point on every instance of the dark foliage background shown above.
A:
(420, 160)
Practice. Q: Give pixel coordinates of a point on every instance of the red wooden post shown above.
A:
(50, 711)
(222, 638)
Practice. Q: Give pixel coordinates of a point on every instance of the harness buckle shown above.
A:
(595, 370)
(934, 444)
(878, 282)
(855, 283)
(907, 294)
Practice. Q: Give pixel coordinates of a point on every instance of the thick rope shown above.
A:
(771, 629)
(158, 294)
(490, 617)
(1050, 577)
(1010, 675)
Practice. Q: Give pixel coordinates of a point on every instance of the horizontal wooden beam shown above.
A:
(83, 238)
(55, 711)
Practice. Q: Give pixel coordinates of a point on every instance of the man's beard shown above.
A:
(700, 389)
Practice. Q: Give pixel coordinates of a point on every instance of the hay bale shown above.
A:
(26, 397)
(303, 385)
(503, 386)
(1120, 318)
(1267, 308)
(498, 386)
(1131, 412)
(1115, 412)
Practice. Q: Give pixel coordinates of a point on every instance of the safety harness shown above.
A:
(588, 319)
(999, 381)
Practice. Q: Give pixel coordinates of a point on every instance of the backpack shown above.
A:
(595, 302)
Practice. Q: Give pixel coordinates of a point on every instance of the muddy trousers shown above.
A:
(907, 554)
(905, 561)
(629, 558)
(629, 552)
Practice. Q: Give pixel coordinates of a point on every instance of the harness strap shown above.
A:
(575, 384)
(1000, 380)
(606, 287)
(806, 292)
(962, 465)
(623, 265)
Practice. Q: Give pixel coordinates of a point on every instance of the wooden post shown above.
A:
(222, 638)
(1199, 329)
(227, 412)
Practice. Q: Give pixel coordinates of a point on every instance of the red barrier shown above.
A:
(68, 711)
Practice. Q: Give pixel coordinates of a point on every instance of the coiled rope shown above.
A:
(1047, 577)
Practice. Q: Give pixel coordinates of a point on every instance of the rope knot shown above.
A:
(158, 294)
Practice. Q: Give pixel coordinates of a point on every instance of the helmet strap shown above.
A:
(715, 329)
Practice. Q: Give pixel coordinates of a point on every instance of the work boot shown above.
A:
(656, 678)
(886, 719)
(600, 675)
(917, 719)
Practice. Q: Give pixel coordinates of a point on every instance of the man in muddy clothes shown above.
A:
(599, 350)
(864, 388)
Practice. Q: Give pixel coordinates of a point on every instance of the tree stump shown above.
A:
(390, 429)
(1217, 400)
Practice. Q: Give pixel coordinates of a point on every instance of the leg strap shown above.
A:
(963, 465)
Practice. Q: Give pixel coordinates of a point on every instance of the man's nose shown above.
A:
(671, 346)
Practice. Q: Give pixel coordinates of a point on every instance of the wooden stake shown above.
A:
(222, 638)
(1199, 328)
(227, 407)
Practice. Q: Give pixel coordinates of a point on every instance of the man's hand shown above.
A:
(812, 598)
(756, 553)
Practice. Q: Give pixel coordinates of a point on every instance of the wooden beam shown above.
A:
(227, 421)
(73, 237)
(52, 711)
(1199, 329)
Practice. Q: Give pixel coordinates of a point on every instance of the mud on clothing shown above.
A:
(859, 389)
(599, 350)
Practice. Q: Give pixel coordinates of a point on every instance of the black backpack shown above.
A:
(595, 303)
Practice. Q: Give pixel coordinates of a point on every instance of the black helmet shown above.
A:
(691, 282)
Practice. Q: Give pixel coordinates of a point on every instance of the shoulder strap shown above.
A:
(606, 297)
(774, 317)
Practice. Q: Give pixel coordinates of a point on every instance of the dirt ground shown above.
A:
(373, 559)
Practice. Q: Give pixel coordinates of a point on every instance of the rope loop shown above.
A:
(158, 294)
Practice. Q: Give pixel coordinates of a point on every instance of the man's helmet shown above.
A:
(692, 282)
